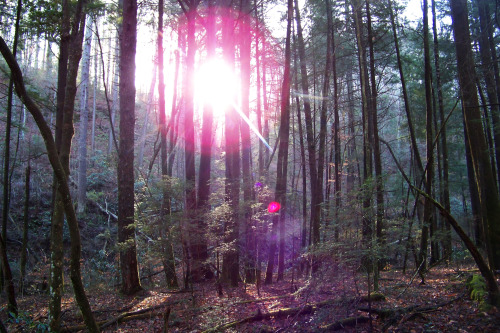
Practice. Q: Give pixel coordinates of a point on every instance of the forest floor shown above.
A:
(332, 300)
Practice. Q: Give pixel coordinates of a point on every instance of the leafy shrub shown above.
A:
(24, 323)
(477, 288)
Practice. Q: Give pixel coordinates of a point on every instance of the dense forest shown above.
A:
(251, 165)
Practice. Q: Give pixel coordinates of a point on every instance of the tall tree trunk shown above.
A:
(259, 60)
(189, 142)
(24, 246)
(5, 271)
(377, 155)
(488, 195)
(352, 159)
(303, 238)
(199, 242)
(94, 96)
(265, 103)
(444, 145)
(114, 95)
(9, 282)
(165, 228)
(489, 77)
(126, 229)
(336, 141)
(258, 110)
(230, 268)
(367, 228)
(282, 167)
(173, 121)
(428, 208)
(84, 121)
(65, 132)
(323, 113)
(477, 223)
(311, 145)
(245, 47)
(411, 129)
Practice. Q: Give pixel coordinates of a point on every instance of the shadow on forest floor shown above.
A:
(322, 303)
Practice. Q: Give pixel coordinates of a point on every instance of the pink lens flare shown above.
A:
(273, 207)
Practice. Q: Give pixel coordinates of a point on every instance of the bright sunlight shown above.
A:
(216, 84)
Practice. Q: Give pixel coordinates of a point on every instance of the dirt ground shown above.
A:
(336, 293)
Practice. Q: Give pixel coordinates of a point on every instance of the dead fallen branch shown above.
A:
(346, 322)
(392, 316)
(121, 320)
(306, 309)
(126, 316)
(258, 300)
(283, 313)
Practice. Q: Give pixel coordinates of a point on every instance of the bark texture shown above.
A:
(126, 229)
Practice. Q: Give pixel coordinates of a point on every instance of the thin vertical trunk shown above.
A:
(377, 158)
(230, 268)
(282, 167)
(5, 272)
(311, 145)
(477, 223)
(265, 102)
(324, 107)
(303, 239)
(413, 138)
(428, 208)
(487, 126)
(199, 243)
(84, 121)
(258, 91)
(367, 228)
(168, 256)
(352, 158)
(174, 118)
(438, 184)
(71, 44)
(189, 142)
(245, 50)
(94, 100)
(489, 78)
(444, 145)
(493, 50)
(24, 247)
(115, 95)
(336, 141)
(9, 282)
